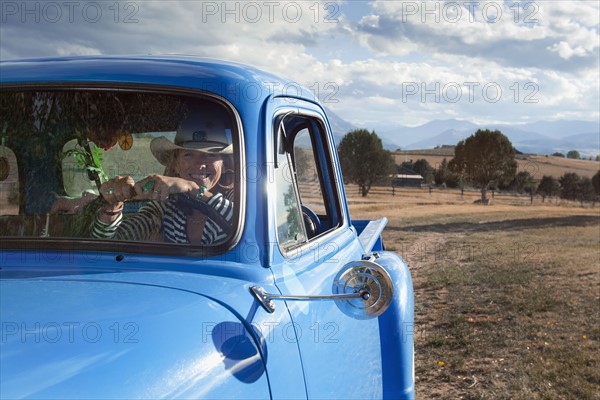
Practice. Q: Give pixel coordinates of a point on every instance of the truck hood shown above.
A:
(105, 338)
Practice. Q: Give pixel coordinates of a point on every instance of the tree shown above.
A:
(557, 154)
(548, 187)
(585, 189)
(443, 175)
(523, 182)
(531, 188)
(569, 186)
(423, 168)
(484, 157)
(454, 180)
(441, 172)
(363, 159)
(574, 154)
(596, 183)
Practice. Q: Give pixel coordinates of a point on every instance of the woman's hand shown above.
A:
(159, 187)
(115, 192)
(118, 190)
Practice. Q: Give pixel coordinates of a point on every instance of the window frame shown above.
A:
(322, 146)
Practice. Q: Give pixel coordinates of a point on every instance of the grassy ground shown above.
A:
(507, 296)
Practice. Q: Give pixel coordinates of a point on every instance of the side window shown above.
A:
(316, 178)
(307, 181)
(307, 172)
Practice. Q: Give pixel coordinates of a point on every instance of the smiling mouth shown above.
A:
(200, 177)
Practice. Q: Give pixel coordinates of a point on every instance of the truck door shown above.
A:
(341, 355)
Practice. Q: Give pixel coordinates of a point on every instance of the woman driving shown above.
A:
(194, 163)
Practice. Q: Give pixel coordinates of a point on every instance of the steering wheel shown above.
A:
(183, 200)
(311, 221)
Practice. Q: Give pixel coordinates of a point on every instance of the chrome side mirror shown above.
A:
(369, 277)
(361, 290)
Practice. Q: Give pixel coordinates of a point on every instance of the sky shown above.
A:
(376, 64)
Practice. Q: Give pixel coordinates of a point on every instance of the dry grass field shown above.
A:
(536, 165)
(507, 296)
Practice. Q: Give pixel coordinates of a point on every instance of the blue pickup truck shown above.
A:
(124, 275)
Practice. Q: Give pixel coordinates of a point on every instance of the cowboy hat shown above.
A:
(204, 128)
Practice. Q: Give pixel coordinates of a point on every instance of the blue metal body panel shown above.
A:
(84, 324)
(87, 335)
(174, 320)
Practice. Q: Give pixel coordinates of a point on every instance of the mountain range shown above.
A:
(540, 137)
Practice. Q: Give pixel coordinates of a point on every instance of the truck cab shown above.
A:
(295, 300)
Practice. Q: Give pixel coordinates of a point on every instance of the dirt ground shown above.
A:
(507, 297)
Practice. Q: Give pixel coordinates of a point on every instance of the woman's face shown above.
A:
(202, 168)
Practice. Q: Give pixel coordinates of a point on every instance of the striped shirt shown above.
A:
(164, 221)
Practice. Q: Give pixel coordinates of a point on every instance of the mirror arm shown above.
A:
(266, 299)
(361, 289)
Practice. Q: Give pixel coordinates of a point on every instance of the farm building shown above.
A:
(405, 177)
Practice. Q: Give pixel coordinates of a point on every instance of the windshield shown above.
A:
(118, 165)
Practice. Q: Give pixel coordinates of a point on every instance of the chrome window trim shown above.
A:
(320, 239)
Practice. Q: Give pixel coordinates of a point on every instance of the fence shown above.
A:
(467, 195)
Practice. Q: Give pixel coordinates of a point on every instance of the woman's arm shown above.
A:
(213, 232)
(144, 225)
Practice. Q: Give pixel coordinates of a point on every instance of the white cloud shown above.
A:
(475, 89)
(540, 35)
(565, 50)
(68, 49)
(364, 67)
